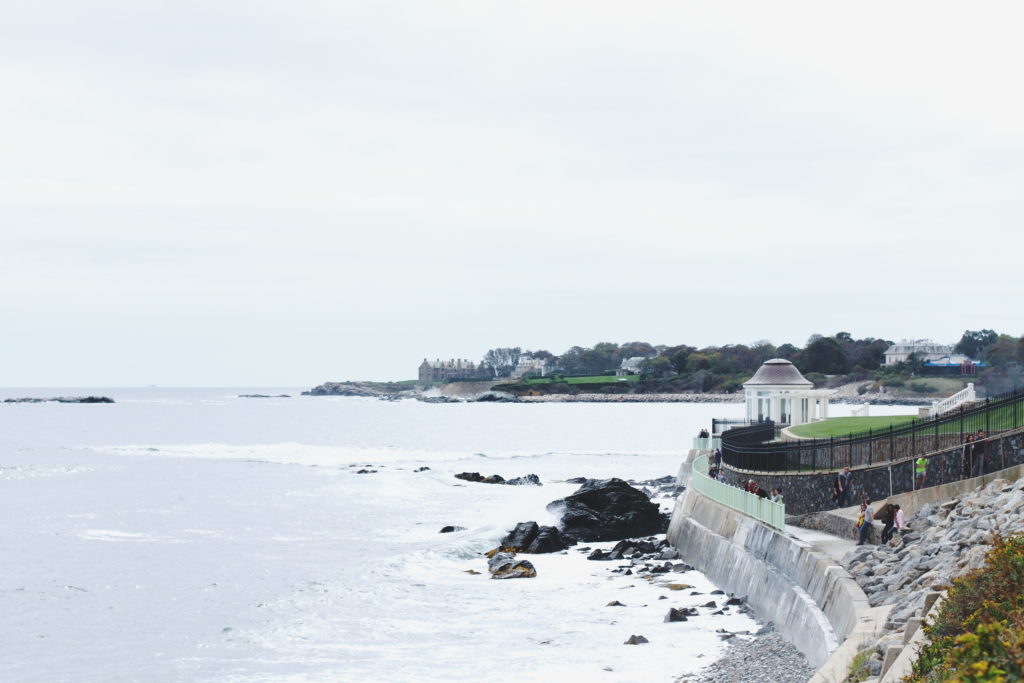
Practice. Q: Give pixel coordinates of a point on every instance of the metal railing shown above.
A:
(748, 448)
(761, 509)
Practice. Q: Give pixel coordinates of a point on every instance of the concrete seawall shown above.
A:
(812, 601)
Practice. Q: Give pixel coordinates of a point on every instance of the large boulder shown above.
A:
(608, 510)
(529, 537)
(508, 566)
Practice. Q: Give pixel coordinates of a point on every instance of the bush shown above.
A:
(922, 387)
(978, 634)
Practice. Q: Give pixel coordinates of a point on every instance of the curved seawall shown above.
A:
(812, 601)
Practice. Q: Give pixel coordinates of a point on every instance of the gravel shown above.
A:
(766, 658)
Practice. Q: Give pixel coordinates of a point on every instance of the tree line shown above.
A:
(725, 368)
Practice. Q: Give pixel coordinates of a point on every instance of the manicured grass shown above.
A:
(595, 379)
(844, 426)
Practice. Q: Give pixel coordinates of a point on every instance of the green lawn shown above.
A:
(844, 426)
(595, 379)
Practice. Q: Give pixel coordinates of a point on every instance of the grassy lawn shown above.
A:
(595, 379)
(844, 426)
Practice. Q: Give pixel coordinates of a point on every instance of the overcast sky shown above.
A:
(282, 193)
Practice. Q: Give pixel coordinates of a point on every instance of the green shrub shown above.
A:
(978, 634)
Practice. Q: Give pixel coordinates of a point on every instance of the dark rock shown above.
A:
(608, 509)
(449, 529)
(528, 537)
(614, 603)
(675, 614)
(494, 479)
(576, 480)
(598, 555)
(365, 471)
(636, 640)
(715, 614)
(547, 540)
(528, 480)
(711, 603)
(734, 601)
(62, 399)
(628, 572)
(470, 476)
(421, 469)
(717, 592)
(663, 597)
(520, 537)
(508, 566)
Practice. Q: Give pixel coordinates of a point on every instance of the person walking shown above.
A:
(980, 450)
(967, 458)
(777, 496)
(868, 513)
(920, 472)
(843, 482)
(888, 517)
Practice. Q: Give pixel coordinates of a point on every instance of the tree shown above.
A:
(787, 351)
(974, 342)
(823, 355)
(503, 360)
(659, 366)
(637, 348)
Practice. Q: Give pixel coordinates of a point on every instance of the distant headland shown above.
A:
(867, 370)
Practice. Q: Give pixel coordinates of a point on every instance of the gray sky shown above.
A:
(282, 193)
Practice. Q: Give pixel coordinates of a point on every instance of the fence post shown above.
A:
(871, 443)
(987, 430)
(892, 445)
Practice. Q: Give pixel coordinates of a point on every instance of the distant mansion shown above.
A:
(925, 349)
(456, 368)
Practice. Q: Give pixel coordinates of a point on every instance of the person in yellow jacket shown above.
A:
(920, 472)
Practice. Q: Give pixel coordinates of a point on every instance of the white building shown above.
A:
(925, 349)
(778, 392)
(537, 366)
(630, 366)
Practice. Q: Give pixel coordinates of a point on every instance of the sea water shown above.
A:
(194, 535)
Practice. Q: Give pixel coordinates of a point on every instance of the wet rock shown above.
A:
(636, 640)
(508, 566)
(606, 510)
(529, 537)
(528, 480)
(614, 603)
(449, 529)
(675, 614)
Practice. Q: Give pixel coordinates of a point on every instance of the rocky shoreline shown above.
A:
(462, 392)
(62, 399)
(943, 540)
(766, 657)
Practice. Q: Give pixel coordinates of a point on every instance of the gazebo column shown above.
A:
(824, 407)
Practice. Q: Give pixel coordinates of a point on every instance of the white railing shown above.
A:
(761, 509)
(860, 411)
(965, 395)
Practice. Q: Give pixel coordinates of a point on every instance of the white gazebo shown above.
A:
(778, 392)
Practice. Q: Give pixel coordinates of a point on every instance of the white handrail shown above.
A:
(965, 395)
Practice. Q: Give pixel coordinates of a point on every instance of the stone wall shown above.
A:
(813, 602)
(812, 492)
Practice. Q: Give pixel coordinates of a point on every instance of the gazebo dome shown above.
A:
(778, 372)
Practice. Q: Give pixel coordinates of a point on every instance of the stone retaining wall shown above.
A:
(813, 602)
(812, 492)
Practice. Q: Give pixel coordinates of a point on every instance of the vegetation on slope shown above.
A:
(978, 635)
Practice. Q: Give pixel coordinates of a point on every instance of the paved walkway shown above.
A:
(825, 543)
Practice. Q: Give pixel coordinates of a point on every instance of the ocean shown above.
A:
(193, 535)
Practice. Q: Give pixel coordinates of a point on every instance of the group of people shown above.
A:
(890, 514)
(753, 487)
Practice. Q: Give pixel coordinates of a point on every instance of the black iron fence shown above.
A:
(751, 448)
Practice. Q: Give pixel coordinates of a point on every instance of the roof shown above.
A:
(954, 360)
(776, 372)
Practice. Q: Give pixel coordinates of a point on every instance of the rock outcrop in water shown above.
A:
(508, 566)
(529, 537)
(608, 510)
(528, 480)
(62, 399)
